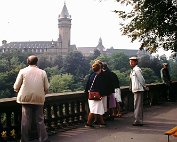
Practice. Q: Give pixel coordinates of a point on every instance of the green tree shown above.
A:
(103, 58)
(4, 65)
(6, 83)
(44, 62)
(119, 61)
(58, 61)
(156, 66)
(15, 53)
(152, 22)
(61, 83)
(9, 68)
(150, 76)
(144, 61)
(96, 53)
(51, 71)
(5, 93)
(75, 64)
(123, 77)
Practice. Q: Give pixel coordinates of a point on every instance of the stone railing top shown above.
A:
(54, 95)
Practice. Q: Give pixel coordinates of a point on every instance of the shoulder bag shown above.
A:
(94, 95)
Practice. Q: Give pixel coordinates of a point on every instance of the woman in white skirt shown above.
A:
(95, 83)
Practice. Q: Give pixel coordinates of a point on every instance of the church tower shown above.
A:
(64, 26)
(100, 46)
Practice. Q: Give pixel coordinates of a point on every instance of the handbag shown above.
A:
(94, 95)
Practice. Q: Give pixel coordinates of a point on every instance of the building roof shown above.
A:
(86, 50)
(30, 44)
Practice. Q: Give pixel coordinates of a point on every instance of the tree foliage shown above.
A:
(119, 61)
(123, 77)
(152, 22)
(10, 65)
(44, 62)
(61, 83)
(150, 76)
(75, 64)
(76, 68)
(51, 71)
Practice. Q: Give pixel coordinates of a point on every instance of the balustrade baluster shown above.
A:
(61, 116)
(72, 112)
(8, 124)
(17, 122)
(67, 116)
(55, 114)
(1, 127)
(78, 111)
(48, 117)
(82, 111)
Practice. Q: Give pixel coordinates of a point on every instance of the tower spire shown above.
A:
(64, 12)
(100, 45)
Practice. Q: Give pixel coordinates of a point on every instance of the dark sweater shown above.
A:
(115, 81)
(98, 85)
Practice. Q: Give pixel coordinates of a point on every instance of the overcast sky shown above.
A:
(36, 20)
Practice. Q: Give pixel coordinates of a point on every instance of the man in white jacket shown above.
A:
(137, 86)
(32, 85)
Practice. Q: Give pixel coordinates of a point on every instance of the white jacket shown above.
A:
(137, 79)
(31, 85)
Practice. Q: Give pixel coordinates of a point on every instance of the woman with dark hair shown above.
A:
(95, 83)
(110, 90)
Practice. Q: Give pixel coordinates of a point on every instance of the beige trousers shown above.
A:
(138, 107)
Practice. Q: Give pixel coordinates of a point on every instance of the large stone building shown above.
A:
(62, 46)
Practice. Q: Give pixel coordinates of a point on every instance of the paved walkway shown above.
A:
(157, 120)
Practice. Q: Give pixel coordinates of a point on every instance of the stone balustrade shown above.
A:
(64, 111)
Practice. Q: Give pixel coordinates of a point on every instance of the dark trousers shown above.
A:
(28, 113)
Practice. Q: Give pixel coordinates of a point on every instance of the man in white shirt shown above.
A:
(32, 85)
(137, 87)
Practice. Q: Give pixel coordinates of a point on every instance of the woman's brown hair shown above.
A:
(96, 67)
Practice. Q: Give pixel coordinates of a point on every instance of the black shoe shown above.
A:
(89, 126)
(137, 124)
(95, 123)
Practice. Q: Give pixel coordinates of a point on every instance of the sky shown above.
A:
(37, 20)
